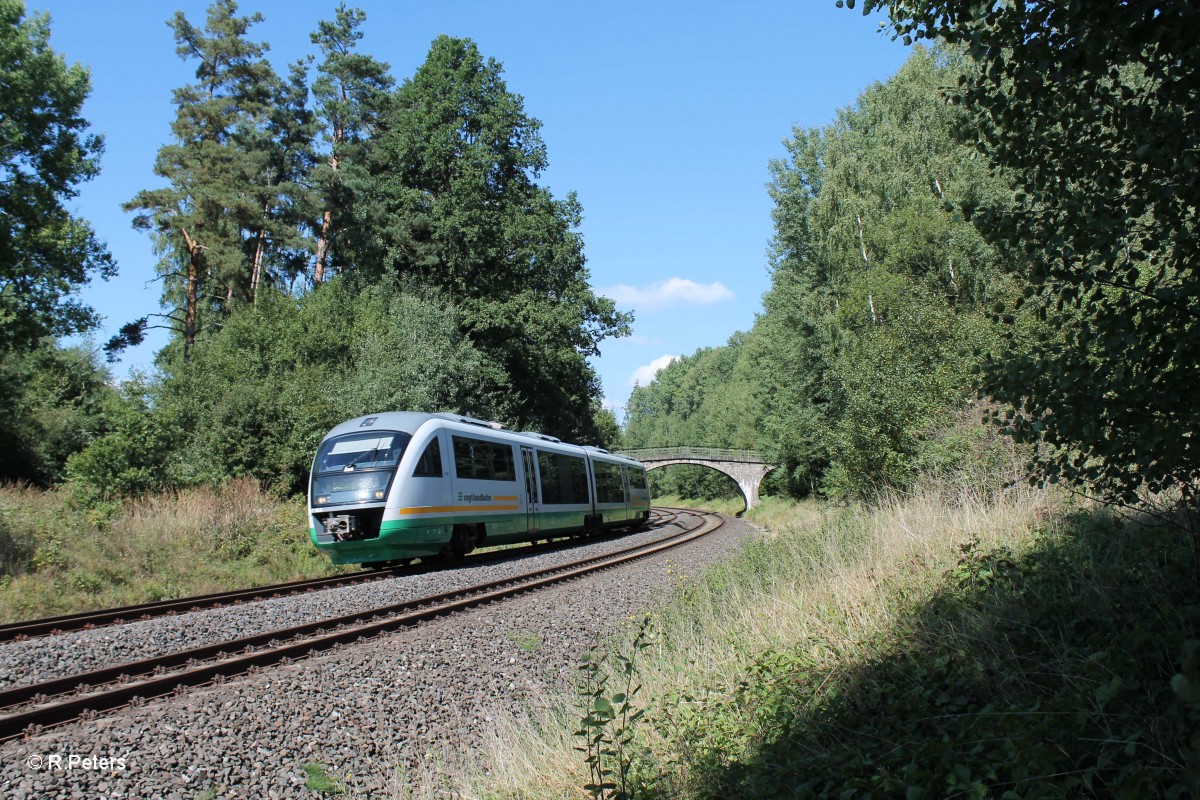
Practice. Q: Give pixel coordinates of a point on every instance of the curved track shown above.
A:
(28, 708)
(48, 626)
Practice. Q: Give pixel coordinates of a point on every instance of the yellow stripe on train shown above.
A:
(454, 509)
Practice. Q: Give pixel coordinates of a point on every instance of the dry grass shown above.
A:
(60, 558)
(831, 579)
(821, 578)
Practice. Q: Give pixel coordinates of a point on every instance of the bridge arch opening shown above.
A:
(696, 481)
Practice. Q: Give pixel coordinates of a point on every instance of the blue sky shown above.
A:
(662, 117)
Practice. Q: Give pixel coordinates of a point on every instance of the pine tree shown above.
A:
(198, 219)
(350, 93)
(280, 151)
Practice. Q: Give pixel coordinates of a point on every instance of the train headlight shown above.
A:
(379, 495)
(322, 501)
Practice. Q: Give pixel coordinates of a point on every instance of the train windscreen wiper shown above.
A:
(370, 456)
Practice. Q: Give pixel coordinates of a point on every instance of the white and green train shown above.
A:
(401, 485)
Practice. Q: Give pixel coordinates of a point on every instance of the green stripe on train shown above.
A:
(425, 536)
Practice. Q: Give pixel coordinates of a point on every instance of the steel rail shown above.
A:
(115, 616)
(83, 620)
(31, 707)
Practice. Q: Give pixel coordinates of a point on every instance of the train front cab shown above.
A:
(375, 529)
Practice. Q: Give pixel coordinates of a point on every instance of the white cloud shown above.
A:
(615, 406)
(645, 373)
(668, 293)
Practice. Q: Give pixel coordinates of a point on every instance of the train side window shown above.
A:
(564, 479)
(637, 478)
(503, 468)
(548, 469)
(483, 460)
(430, 464)
(609, 487)
(576, 469)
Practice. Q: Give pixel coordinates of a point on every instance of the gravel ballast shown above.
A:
(398, 705)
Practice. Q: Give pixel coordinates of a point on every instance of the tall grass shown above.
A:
(58, 558)
(1011, 646)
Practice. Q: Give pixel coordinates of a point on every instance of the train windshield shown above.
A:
(357, 468)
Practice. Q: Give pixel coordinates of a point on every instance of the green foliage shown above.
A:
(879, 306)
(695, 482)
(351, 92)
(46, 254)
(455, 203)
(881, 290)
(1092, 113)
(700, 400)
(897, 384)
(53, 400)
(128, 458)
(705, 399)
(219, 169)
(608, 431)
(258, 395)
(429, 185)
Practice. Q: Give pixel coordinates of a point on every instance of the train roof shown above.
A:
(410, 421)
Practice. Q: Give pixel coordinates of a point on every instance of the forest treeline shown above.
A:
(986, 262)
(860, 372)
(331, 242)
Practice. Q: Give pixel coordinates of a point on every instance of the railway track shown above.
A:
(28, 709)
(86, 620)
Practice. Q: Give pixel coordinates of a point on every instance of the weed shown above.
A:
(528, 641)
(319, 779)
(609, 720)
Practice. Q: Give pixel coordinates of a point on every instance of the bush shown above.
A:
(259, 393)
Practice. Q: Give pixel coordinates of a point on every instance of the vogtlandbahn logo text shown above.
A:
(474, 498)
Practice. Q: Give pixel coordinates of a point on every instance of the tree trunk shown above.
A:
(327, 217)
(949, 244)
(863, 243)
(192, 293)
(322, 248)
(256, 270)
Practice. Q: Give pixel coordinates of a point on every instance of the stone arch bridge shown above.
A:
(747, 467)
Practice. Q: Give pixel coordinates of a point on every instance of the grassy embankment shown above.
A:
(56, 558)
(1014, 648)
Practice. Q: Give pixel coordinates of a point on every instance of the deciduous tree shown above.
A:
(454, 172)
(879, 285)
(46, 254)
(1092, 107)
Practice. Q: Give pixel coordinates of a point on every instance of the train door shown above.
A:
(531, 489)
(626, 495)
